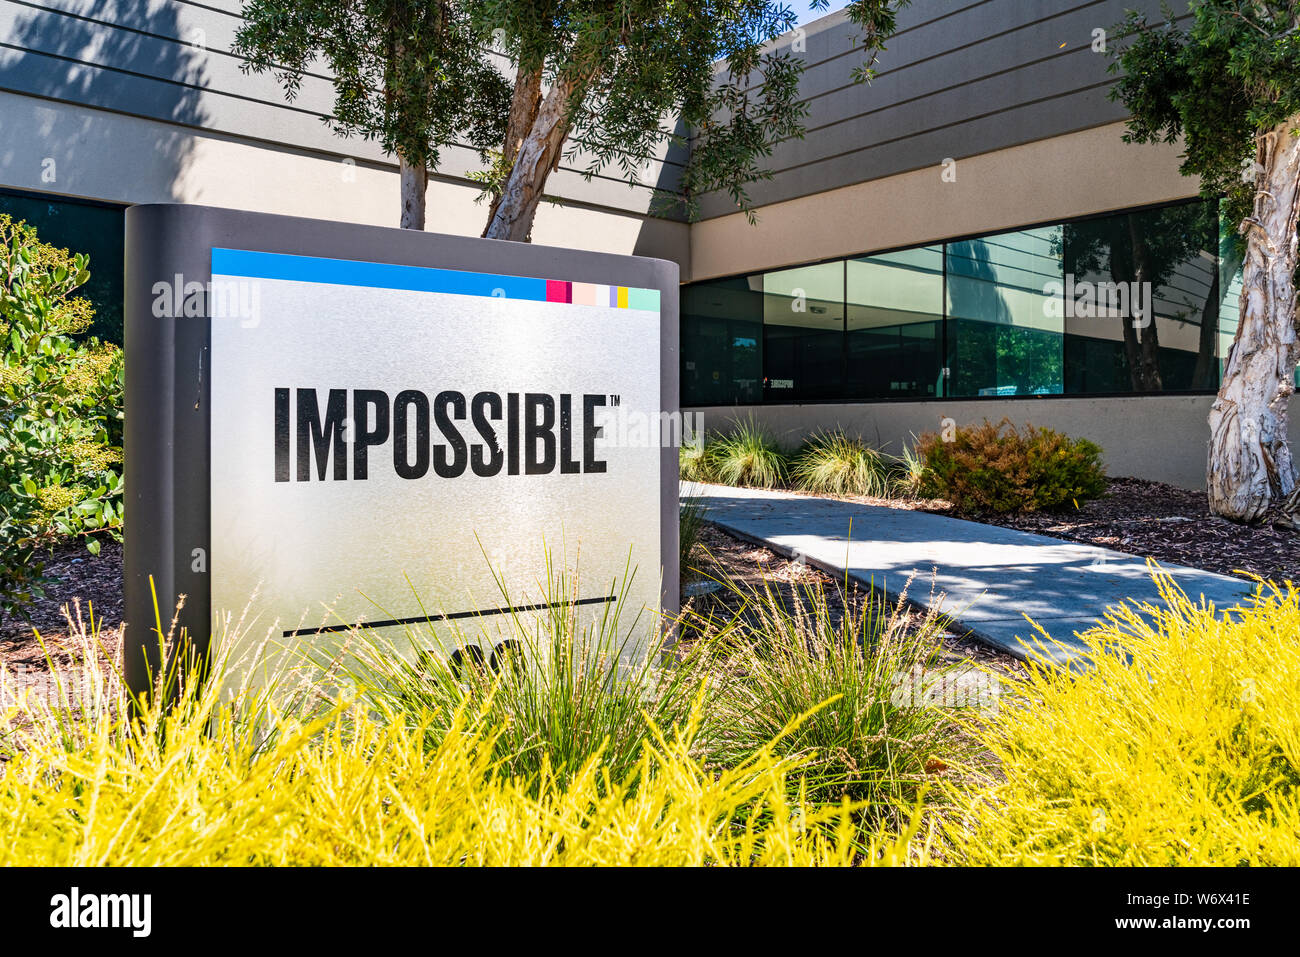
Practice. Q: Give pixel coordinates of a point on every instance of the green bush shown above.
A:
(999, 468)
(60, 413)
(747, 456)
(833, 463)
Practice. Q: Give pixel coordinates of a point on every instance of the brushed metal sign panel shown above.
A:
(296, 557)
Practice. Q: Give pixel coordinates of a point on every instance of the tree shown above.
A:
(1229, 85)
(408, 73)
(593, 77)
(605, 78)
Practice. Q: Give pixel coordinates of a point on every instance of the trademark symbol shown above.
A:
(613, 400)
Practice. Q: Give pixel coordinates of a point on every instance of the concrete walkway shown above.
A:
(983, 576)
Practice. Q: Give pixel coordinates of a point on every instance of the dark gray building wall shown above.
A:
(960, 77)
(170, 60)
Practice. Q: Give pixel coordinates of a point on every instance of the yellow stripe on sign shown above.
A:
(622, 297)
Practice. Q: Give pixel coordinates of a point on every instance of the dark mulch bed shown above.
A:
(77, 576)
(1172, 526)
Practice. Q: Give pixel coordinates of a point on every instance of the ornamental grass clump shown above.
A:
(833, 463)
(1179, 744)
(747, 456)
(907, 472)
(880, 736)
(556, 686)
(693, 463)
(690, 527)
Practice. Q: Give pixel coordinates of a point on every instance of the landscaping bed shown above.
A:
(723, 557)
(79, 580)
(797, 750)
(1172, 526)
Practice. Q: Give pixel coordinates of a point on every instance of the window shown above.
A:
(1142, 297)
(894, 345)
(721, 336)
(803, 332)
(97, 231)
(1004, 323)
(1136, 302)
(1230, 265)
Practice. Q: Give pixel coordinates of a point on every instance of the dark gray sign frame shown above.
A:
(168, 508)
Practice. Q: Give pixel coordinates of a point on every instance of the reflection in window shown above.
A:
(97, 231)
(803, 332)
(1005, 328)
(721, 334)
(992, 309)
(895, 325)
(1141, 301)
(1230, 263)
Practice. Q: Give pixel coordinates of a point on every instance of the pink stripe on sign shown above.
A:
(557, 291)
(584, 294)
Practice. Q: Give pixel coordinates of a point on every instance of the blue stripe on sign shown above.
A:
(351, 272)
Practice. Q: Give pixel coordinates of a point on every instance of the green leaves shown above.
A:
(411, 75)
(1218, 81)
(738, 116)
(418, 77)
(60, 412)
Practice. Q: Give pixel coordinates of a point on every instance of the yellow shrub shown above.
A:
(198, 787)
(1179, 745)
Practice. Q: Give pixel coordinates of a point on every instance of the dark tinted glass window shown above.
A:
(1004, 317)
(895, 325)
(1135, 302)
(1142, 296)
(96, 231)
(803, 332)
(721, 332)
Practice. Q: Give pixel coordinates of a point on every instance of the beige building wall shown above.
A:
(1158, 437)
(1077, 174)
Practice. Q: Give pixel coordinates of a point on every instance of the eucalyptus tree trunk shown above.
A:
(525, 102)
(415, 183)
(538, 156)
(1250, 465)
